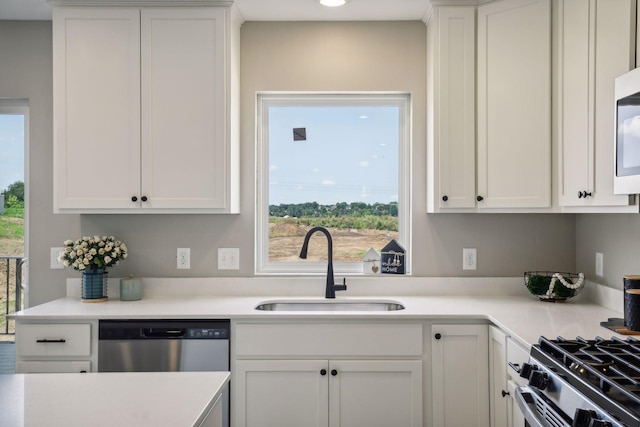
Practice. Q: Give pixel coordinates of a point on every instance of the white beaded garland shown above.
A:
(557, 276)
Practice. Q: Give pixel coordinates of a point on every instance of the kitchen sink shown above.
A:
(329, 305)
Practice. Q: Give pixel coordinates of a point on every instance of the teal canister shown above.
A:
(131, 289)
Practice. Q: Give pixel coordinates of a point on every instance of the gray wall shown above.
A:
(617, 237)
(275, 56)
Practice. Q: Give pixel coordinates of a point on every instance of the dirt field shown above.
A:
(348, 245)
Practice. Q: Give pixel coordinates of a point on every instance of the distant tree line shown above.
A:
(377, 216)
(342, 209)
(14, 195)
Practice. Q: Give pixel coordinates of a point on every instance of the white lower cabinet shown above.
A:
(460, 375)
(503, 379)
(516, 356)
(515, 418)
(498, 377)
(319, 375)
(314, 393)
(54, 347)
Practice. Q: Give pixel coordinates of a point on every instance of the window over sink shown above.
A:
(338, 160)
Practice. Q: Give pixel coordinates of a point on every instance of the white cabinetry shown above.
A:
(142, 110)
(503, 379)
(504, 161)
(514, 104)
(497, 377)
(451, 96)
(596, 43)
(516, 356)
(59, 347)
(460, 375)
(311, 374)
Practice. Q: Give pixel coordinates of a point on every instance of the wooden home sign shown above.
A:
(393, 258)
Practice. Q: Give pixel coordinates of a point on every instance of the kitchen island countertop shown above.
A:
(109, 399)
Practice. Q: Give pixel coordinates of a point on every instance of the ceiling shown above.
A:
(267, 10)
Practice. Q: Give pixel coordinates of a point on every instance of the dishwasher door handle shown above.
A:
(163, 332)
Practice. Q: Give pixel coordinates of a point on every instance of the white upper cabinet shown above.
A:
(595, 43)
(451, 122)
(514, 104)
(491, 152)
(96, 73)
(142, 110)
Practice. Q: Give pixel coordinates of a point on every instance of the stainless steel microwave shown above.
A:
(626, 178)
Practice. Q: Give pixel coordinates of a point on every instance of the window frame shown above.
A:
(20, 106)
(264, 100)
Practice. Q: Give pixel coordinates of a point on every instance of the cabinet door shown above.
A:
(497, 377)
(452, 129)
(515, 416)
(514, 104)
(460, 375)
(596, 45)
(96, 75)
(375, 393)
(281, 393)
(184, 140)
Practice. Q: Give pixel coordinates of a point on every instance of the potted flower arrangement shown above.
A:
(92, 255)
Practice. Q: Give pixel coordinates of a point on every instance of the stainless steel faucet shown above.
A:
(331, 289)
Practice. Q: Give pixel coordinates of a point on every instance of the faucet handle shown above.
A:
(342, 287)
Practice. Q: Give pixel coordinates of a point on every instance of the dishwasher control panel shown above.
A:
(208, 333)
(163, 329)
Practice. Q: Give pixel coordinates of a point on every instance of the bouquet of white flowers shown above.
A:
(91, 253)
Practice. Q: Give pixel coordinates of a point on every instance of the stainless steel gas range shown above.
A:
(581, 383)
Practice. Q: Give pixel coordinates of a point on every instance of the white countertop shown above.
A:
(109, 399)
(523, 316)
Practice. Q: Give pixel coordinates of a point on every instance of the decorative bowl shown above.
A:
(552, 286)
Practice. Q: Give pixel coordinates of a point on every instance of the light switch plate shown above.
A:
(599, 264)
(55, 264)
(228, 258)
(183, 258)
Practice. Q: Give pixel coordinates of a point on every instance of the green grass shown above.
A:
(14, 212)
(10, 229)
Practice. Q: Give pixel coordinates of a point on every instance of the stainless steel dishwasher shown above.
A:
(165, 345)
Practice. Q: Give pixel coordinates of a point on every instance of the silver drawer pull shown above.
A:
(49, 341)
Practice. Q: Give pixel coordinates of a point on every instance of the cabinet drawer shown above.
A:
(53, 367)
(516, 355)
(53, 340)
(327, 340)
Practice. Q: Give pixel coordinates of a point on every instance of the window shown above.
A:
(14, 120)
(336, 160)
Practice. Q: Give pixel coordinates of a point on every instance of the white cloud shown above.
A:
(328, 182)
(315, 170)
(631, 126)
(363, 164)
(273, 168)
(299, 187)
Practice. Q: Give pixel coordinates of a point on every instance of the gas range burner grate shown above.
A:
(609, 368)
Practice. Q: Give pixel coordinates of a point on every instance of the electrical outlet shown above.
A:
(55, 264)
(184, 258)
(228, 258)
(599, 264)
(469, 259)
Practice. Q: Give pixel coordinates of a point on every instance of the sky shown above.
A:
(11, 149)
(350, 155)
